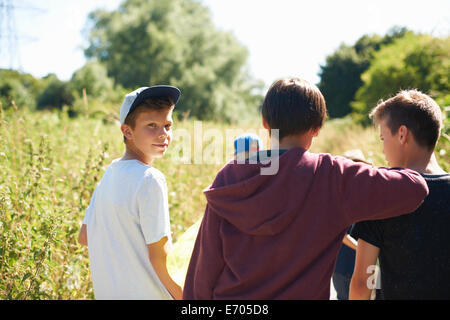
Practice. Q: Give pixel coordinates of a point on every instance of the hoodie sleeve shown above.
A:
(206, 262)
(370, 193)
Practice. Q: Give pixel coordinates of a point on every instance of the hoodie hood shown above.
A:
(262, 204)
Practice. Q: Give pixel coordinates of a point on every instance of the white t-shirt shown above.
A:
(128, 210)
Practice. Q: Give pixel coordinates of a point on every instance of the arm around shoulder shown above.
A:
(370, 193)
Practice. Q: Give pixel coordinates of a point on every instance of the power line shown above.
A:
(8, 35)
(9, 39)
(9, 6)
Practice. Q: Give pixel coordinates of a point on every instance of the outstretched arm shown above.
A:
(370, 193)
(157, 254)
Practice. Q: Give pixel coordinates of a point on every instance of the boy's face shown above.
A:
(392, 147)
(153, 132)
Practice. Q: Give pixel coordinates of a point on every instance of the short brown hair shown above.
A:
(148, 104)
(415, 110)
(294, 106)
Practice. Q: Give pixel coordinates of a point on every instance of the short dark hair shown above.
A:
(415, 110)
(148, 104)
(294, 106)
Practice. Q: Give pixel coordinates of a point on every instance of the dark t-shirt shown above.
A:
(414, 248)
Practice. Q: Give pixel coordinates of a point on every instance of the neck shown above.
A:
(132, 153)
(433, 166)
(297, 141)
(424, 162)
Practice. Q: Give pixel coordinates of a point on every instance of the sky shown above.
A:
(284, 37)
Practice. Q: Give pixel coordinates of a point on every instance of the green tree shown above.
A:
(94, 78)
(102, 96)
(56, 94)
(340, 77)
(175, 42)
(414, 61)
(18, 87)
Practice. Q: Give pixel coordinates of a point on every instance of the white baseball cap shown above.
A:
(135, 98)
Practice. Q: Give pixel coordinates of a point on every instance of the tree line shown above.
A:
(375, 67)
(175, 42)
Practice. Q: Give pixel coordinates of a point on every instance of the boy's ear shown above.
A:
(402, 134)
(315, 132)
(264, 123)
(126, 131)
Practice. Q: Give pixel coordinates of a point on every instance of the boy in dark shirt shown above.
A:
(413, 249)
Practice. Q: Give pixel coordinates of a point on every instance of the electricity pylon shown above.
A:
(9, 38)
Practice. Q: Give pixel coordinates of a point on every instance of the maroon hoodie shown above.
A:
(278, 236)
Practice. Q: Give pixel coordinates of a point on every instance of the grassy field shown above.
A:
(50, 165)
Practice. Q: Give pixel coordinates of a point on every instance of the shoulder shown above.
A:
(326, 161)
(438, 179)
(137, 172)
(439, 188)
(152, 173)
(153, 176)
(224, 172)
(151, 190)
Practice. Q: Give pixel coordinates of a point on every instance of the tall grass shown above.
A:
(49, 167)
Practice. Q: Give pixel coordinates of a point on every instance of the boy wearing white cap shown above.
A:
(127, 223)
